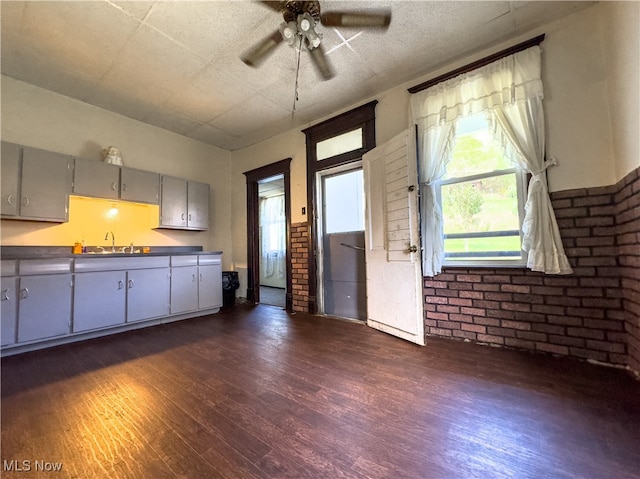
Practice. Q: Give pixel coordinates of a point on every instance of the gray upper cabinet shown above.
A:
(97, 179)
(197, 205)
(139, 186)
(104, 180)
(184, 204)
(11, 155)
(173, 202)
(35, 183)
(45, 185)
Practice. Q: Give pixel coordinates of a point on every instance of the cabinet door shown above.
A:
(139, 186)
(184, 289)
(147, 294)
(198, 205)
(45, 185)
(173, 202)
(210, 286)
(99, 300)
(45, 306)
(9, 313)
(96, 179)
(10, 176)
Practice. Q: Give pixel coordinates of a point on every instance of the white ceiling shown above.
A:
(175, 64)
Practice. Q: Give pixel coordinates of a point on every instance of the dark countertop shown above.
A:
(46, 252)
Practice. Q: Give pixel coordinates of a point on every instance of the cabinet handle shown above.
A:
(120, 284)
(10, 199)
(182, 216)
(201, 277)
(124, 187)
(189, 216)
(114, 186)
(5, 295)
(25, 201)
(130, 283)
(24, 293)
(193, 279)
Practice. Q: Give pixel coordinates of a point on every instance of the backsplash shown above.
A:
(90, 219)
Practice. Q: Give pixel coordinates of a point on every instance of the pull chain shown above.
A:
(295, 93)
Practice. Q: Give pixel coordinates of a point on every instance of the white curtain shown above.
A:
(272, 241)
(510, 91)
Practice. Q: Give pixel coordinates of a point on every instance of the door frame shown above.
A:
(363, 116)
(282, 167)
(319, 225)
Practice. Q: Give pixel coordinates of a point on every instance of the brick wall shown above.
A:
(627, 200)
(299, 266)
(592, 313)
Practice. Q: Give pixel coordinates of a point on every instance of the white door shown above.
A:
(392, 239)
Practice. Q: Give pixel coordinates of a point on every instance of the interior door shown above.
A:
(392, 239)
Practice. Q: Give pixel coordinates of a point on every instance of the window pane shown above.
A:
(481, 219)
(475, 151)
(337, 145)
(344, 202)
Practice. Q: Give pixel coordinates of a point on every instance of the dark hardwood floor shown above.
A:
(255, 393)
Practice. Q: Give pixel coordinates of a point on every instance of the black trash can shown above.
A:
(230, 283)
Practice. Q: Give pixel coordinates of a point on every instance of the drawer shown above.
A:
(44, 266)
(83, 265)
(184, 260)
(9, 267)
(209, 259)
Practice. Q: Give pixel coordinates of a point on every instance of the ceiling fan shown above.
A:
(299, 30)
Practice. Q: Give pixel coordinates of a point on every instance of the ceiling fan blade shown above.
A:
(321, 63)
(261, 50)
(277, 6)
(356, 19)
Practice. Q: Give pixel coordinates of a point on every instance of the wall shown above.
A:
(576, 102)
(36, 117)
(592, 313)
(621, 22)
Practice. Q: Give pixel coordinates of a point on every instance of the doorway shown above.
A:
(277, 264)
(341, 272)
(272, 241)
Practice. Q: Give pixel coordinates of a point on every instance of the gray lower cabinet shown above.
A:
(99, 300)
(209, 282)
(147, 294)
(184, 284)
(9, 313)
(49, 299)
(139, 186)
(9, 301)
(44, 306)
(96, 179)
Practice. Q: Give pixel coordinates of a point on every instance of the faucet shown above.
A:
(113, 240)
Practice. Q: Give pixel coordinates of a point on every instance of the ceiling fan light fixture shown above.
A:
(305, 23)
(289, 31)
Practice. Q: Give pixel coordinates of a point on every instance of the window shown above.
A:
(344, 202)
(352, 140)
(482, 200)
